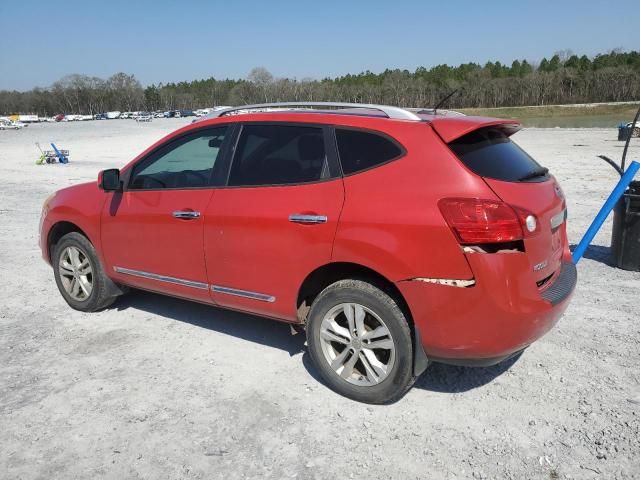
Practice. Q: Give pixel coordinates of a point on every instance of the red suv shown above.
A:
(395, 237)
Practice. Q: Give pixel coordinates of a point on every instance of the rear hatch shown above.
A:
(521, 182)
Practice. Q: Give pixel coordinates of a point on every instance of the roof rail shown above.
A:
(395, 113)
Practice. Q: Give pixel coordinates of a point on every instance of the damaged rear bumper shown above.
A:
(492, 319)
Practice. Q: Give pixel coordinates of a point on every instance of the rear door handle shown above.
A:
(186, 214)
(307, 219)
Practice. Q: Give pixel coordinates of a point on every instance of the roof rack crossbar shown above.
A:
(395, 113)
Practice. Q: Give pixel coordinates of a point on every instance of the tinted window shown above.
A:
(186, 163)
(277, 155)
(361, 150)
(490, 153)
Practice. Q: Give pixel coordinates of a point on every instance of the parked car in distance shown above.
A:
(100, 116)
(11, 125)
(394, 237)
(144, 117)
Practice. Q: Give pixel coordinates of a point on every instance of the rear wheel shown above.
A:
(360, 341)
(79, 274)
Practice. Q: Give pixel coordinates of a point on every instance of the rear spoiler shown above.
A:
(452, 128)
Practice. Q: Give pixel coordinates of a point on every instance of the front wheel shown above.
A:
(79, 274)
(360, 341)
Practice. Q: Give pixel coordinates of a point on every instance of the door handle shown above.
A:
(186, 214)
(307, 219)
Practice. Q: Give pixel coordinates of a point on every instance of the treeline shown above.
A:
(564, 78)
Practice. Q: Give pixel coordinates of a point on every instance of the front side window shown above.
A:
(361, 150)
(278, 155)
(185, 163)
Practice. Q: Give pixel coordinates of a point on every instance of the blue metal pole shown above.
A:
(617, 192)
(61, 158)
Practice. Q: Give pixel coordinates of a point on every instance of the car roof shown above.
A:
(450, 125)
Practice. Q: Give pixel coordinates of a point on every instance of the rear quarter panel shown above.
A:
(391, 222)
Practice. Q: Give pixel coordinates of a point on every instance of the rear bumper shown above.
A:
(503, 313)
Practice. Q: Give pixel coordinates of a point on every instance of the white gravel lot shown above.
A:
(157, 387)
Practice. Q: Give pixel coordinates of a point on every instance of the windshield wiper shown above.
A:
(538, 172)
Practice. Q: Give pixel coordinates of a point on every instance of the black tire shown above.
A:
(102, 293)
(400, 378)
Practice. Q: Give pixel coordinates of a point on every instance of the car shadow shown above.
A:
(597, 253)
(437, 378)
(240, 325)
(440, 377)
(453, 379)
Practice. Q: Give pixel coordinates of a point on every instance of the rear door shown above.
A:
(521, 182)
(275, 221)
(152, 232)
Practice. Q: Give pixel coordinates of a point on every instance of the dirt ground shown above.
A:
(160, 388)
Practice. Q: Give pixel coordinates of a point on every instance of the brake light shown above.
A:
(475, 221)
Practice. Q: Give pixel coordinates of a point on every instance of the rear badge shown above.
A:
(539, 266)
(559, 192)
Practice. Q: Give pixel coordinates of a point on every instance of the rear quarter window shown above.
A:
(360, 150)
(490, 153)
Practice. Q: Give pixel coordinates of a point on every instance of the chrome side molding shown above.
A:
(162, 278)
(199, 285)
(243, 293)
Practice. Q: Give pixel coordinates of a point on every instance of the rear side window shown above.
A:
(278, 155)
(362, 150)
(490, 153)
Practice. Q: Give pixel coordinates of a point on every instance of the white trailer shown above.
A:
(28, 118)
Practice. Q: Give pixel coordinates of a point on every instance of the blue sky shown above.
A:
(162, 40)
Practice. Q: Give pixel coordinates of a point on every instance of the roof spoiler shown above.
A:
(452, 128)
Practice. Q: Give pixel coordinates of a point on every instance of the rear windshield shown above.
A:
(490, 153)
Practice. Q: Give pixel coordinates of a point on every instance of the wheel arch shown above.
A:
(330, 273)
(64, 227)
(59, 230)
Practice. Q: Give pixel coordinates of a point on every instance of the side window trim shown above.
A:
(403, 150)
(168, 146)
(331, 152)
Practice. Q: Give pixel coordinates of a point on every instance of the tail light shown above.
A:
(475, 221)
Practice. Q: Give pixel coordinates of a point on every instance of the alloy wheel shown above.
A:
(76, 273)
(357, 344)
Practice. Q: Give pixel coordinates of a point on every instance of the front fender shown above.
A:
(81, 206)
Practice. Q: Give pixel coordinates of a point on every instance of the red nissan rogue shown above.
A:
(395, 237)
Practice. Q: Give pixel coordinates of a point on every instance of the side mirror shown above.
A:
(215, 142)
(109, 180)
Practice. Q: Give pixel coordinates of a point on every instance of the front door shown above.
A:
(152, 231)
(275, 221)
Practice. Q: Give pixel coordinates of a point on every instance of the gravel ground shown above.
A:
(157, 387)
